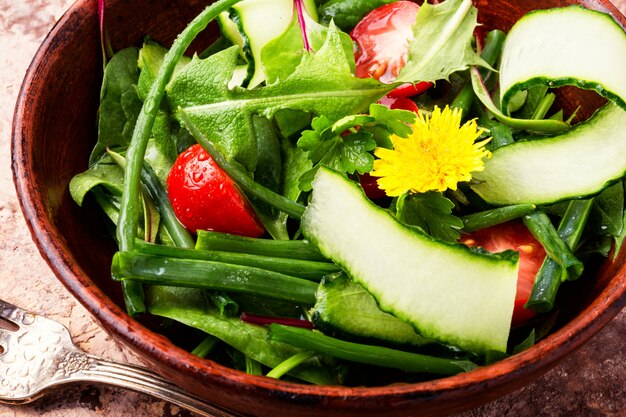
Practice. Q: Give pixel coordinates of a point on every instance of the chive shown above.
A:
(544, 106)
(152, 185)
(253, 367)
(292, 249)
(127, 227)
(290, 363)
(542, 229)
(311, 270)
(367, 354)
(175, 272)
(205, 347)
(488, 218)
(493, 47)
(550, 274)
(242, 179)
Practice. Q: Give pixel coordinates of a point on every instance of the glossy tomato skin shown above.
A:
(382, 38)
(513, 235)
(410, 90)
(205, 198)
(399, 103)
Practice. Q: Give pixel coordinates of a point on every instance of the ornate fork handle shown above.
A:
(81, 367)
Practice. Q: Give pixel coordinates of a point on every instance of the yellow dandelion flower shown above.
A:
(437, 155)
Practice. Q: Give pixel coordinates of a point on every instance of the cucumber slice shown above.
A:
(346, 308)
(251, 24)
(582, 161)
(445, 290)
(565, 46)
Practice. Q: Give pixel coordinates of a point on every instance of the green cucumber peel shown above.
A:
(576, 57)
(542, 126)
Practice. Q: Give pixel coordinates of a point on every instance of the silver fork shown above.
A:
(37, 353)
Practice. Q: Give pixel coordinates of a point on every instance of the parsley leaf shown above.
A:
(346, 145)
(431, 212)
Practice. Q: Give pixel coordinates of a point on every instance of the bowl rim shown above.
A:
(52, 247)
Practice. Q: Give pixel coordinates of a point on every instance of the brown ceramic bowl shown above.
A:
(54, 130)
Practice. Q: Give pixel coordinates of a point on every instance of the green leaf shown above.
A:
(394, 121)
(119, 103)
(355, 153)
(443, 42)
(104, 173)
(149, 61)
(347, 13)
(431, 212)
(535, 125)
(281, 56)
(346, 145)
(322, 84)
(607, 214)
(189, 306)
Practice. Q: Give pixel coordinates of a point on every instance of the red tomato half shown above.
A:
(513, 235)
(205, 198)
(382, 39)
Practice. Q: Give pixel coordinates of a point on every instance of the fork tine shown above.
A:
(13, 313)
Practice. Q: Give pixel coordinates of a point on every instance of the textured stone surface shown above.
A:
(591, 382)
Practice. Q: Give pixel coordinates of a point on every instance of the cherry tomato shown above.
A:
(382, 39)
(205, 198)
(410, 90)
(398, 103)
(513, 235)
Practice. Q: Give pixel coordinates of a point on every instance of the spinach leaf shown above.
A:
(119, 103)
(322, 84)
(105, 173)
(607, 214)
(431, 212)
(190, 307)
(347, 13)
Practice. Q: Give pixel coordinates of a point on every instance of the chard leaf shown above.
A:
(281, 56)
(119, 103)
(322, 84)
(442, 42)
(431, 212)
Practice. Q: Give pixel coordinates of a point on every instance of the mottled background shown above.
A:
(591, 382)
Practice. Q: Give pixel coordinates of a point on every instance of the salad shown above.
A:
(359, 192)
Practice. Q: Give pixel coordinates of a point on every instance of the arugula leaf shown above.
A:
(431, 212)
(149, 61)
(281, 56)
(322, 84)
(442, 42)
(346, 145)
(119, 103)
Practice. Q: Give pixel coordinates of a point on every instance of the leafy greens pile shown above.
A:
(271, 139)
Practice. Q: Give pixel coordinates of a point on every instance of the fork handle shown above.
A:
(137, 378)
